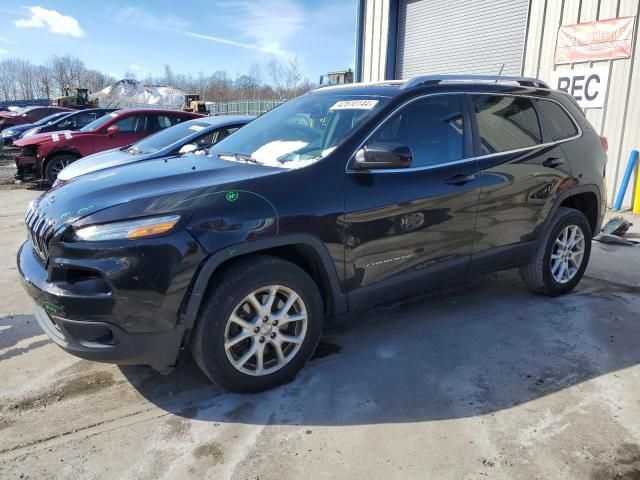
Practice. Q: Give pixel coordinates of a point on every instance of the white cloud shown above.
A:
(270, 24)
(134, 67)
(139, 16)
(225, 41)
(261, 25)
(3, 52)
(53, 21)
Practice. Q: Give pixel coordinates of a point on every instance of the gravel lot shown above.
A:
(484, 380)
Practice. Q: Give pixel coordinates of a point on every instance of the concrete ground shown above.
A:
(484, 380)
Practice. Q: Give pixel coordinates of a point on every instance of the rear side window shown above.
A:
(506, 123)
(432, 127)
(557, 120)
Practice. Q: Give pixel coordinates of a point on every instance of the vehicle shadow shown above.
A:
(476, 348)
(16, 328)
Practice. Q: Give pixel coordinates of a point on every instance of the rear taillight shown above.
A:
(605, 143)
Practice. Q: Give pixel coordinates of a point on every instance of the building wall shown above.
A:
(374, 40)
(619, 120)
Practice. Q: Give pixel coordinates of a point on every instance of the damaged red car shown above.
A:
(45, 155)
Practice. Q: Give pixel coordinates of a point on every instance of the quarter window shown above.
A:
(558, 121)
(506, 123)
(431, 127)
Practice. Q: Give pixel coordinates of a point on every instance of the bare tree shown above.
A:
(20, 79)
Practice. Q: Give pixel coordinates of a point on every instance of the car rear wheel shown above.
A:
(562, 255)
(259, 325)
(55, 165)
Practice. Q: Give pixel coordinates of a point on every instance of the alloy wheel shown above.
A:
(265, 330)
(567, 254)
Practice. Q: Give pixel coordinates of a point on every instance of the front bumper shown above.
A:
(104, 342)
(26, 164)
(115, 315)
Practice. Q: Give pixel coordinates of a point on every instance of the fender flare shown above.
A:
(216, 260)
(577, 190)
(54, 153)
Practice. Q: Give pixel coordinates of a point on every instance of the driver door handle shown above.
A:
(553, 162)
(460, 179)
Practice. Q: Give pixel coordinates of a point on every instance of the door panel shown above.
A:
(402, 224)
(519, 183)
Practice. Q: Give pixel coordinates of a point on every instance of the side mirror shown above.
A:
(112, 131)
(188, 148)
(382, 155)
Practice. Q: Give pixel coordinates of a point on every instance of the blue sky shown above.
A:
(191, 36)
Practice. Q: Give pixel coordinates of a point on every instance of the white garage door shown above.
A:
(461, 36)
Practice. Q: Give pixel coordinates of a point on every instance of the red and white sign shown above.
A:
(602, 40)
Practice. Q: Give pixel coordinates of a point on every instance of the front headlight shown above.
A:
(7, 133)
(146, 227)
(30, 132)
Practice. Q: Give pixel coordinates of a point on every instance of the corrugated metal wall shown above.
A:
(433, 37)
(619, 120)
(374, 44)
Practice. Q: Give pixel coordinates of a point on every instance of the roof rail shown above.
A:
(435, 79)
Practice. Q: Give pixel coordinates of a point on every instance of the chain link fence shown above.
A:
(25, 103)
(240, 107)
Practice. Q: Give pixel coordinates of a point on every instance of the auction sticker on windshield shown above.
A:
(354, 105)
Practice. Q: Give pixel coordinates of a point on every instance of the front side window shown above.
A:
(39, 113)
(132, 124)
(506, 123)
(433, 128)
(300, 131)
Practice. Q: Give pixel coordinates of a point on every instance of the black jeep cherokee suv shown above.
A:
(344, 197)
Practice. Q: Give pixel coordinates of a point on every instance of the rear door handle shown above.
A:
(460, 179)
(553, 162)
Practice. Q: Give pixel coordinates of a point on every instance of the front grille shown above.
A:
(40, 232)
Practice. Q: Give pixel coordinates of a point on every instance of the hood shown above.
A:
(99, 161)
(22, 128)
(145, 188)
(39, 138)
(8, 114)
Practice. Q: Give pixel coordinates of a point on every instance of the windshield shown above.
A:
(97, 123)
(51, 118)
(167, 137)
(301, 131)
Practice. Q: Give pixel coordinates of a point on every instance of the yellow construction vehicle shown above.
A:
(75, 98)
(192, 103)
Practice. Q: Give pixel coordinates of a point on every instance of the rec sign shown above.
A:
(587, 85)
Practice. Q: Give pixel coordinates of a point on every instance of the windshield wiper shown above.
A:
(240, 157)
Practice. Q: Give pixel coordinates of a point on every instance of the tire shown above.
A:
(55, 164)
(265, 275)
(541, 275)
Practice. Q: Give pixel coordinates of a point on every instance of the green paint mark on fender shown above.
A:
(231, 196)
(232, 252)
(51, 308)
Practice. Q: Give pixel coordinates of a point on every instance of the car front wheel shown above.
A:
(259, 325)
(55, 166)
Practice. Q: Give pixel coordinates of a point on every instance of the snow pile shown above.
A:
(132, 91)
